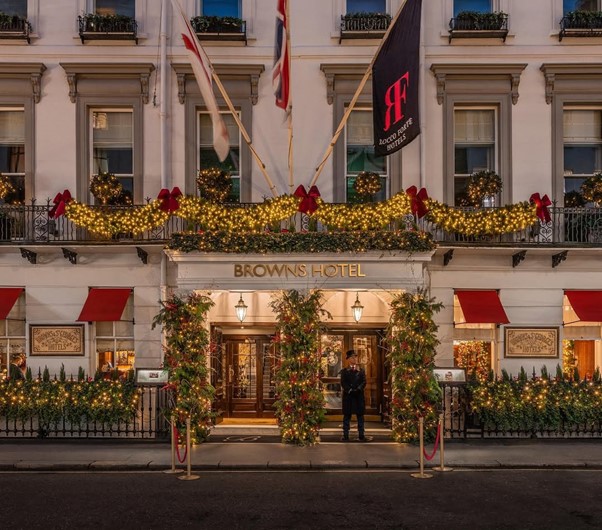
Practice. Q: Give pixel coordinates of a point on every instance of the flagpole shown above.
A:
(355, 98)
(291, 183)
(243, 130)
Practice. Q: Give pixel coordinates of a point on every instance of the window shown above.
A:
(12, 152)
(207, 156)
(580, 5)
(474, 146)
(115, 7)
(12, 336)
(115, 342)
(482, 6)
(112, 136)
(14, 8)
(582, 133)
(359, 141)
(221, 8)
(366, 6)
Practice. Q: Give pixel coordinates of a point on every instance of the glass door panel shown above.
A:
(331, 348)
(366, 348)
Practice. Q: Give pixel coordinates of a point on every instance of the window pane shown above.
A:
(366, 6)
(207, 155)
(12, 158)
(580, 5)
(582, 160)
(221, 8)
(482, 6)
(117, 161)
(124, 328)
(380, 196)
(116, 7)
(469, 159)
(12, 127)
(113, 139)
(15, 328)
(360, 146)
(104, 329)
(14, 7)
(582, 125)
(474, 126)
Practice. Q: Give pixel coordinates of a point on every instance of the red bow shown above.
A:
(541, 204)
(169, 200)
(60, 201)
(418, 197)
(308, 203)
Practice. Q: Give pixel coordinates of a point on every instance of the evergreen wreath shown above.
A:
(105, 187)
(185, 323)
(299, 393)
(6, 186)
(367, 184)
(482, 185)
(214, 184)
(591, 189)
(412, 340)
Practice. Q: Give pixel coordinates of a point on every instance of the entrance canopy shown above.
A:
(586, 304)
(482, 307)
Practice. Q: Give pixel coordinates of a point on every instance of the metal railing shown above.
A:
(149, 423)
(589, 25)
(107, 28)
(365, 23)
(15, 28)
(489, 25)
(31, 224)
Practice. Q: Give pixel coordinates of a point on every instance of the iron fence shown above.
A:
(149, 423)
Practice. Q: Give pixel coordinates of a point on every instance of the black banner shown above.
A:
(395, 83)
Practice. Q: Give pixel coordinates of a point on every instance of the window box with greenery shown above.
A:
(474, 24)
(14, 27)
(93, 26)
(364, 25)
(581, 24)
(219, 28)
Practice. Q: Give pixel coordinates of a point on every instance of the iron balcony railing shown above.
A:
(581, 24)
(364, 25)
(219, 28)
(14, 28)
(488, 25)
(31, 224)
(99, 27)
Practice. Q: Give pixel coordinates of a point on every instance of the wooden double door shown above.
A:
(249, 376)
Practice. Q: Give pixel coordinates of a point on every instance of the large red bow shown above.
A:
(541, 204)
(60, 201)
(169, 199)
(308, 202)
(419, 209)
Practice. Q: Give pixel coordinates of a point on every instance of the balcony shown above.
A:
(474, 25)
(13, 27)
(31, 225)
(107, 27)
(219, 28)
(364, 25)
(581, 24)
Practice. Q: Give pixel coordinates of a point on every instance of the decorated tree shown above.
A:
(475, 357)
(187, 336)
(299, 396)
(411, 344)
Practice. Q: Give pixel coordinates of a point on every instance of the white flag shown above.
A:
(201, 66)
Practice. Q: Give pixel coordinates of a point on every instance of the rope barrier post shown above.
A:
(188, 475)
(441, 466)
(173, 469)
(421, 474)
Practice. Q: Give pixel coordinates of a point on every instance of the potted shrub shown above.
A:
(93, 25)
(579, 19)
(14, 25)
(212, 24)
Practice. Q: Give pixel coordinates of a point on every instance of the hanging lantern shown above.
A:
(357, 308)
(241, 309)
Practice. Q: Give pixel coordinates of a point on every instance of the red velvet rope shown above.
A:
(432, 455)
(176, 436)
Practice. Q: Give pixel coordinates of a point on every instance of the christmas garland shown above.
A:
(482, 185)
(185, 323)
(214, 184)
(6, 186)
(412, 342)
(591, 189)
(299, 393)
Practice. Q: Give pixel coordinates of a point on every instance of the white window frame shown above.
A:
(198, 148)
(5, 108)
(114, 338)
(129, 110)
(87, 6)
(496, 139)
(364, 108)
(19, 310)
(564, 143)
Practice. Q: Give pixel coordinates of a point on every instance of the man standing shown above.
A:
(353, 382)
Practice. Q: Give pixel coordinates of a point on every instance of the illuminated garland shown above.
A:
(6, 186)
(591, 189)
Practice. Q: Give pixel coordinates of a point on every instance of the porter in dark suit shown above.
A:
(353, 382)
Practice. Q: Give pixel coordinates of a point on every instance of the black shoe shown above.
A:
(345, 438)
(362, 438)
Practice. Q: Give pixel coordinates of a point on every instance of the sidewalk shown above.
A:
(53, 455)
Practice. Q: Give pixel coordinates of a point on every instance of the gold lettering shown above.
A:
(359, 271)
(257, 269)
(344, 269)
(331, 271)
(248, 271)
(353, 270)
(292, 270)
(237, 270)
(317, 270)
(302, 269)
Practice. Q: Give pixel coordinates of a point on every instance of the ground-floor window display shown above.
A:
(12, 335)
(115, 342)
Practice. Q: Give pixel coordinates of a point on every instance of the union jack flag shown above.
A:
(280, 72)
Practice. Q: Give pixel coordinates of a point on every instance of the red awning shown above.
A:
(104, 305)
(8, 297)
(587, 304)
(482, 307)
